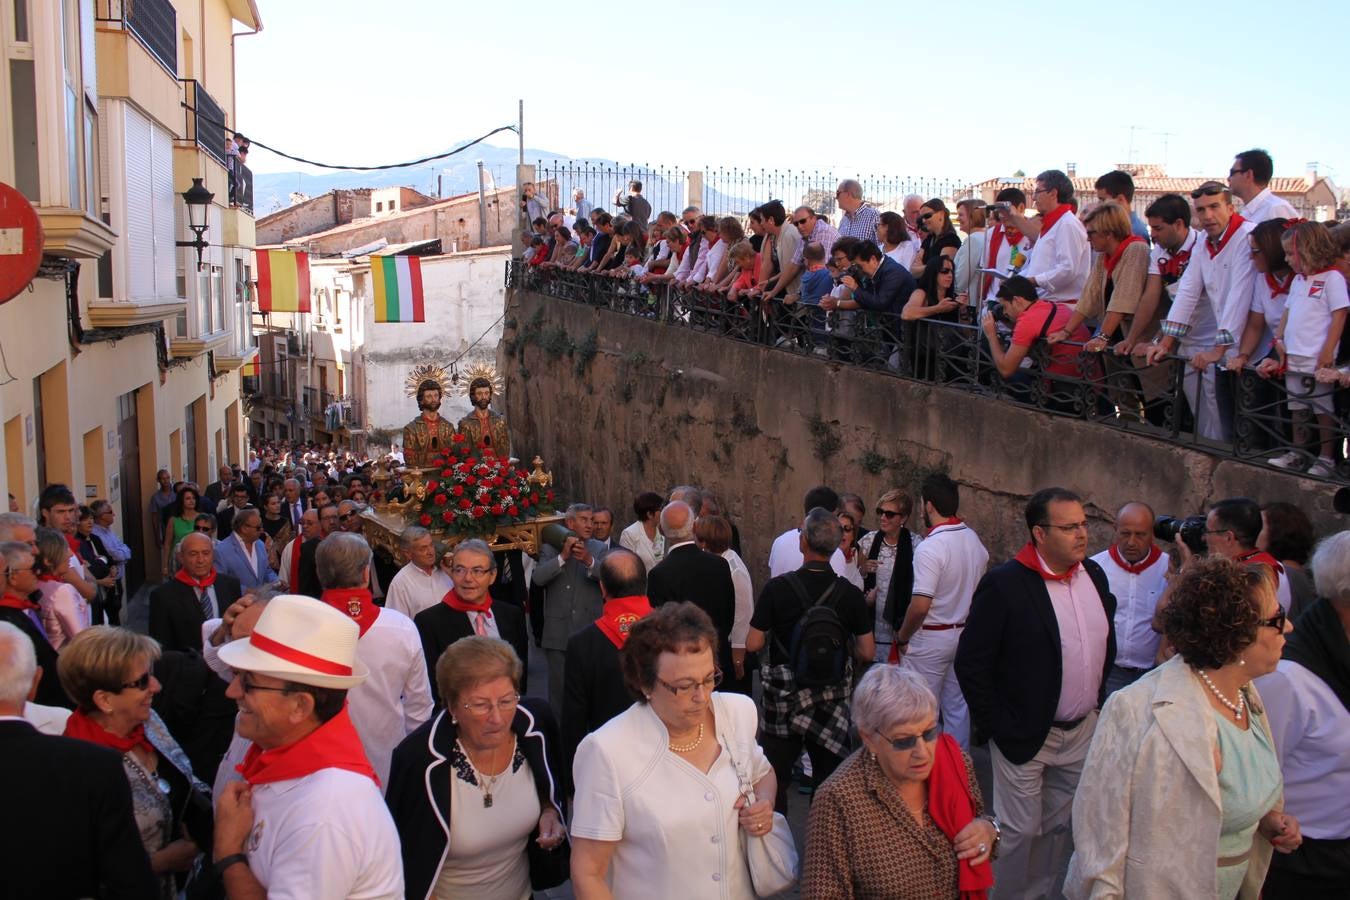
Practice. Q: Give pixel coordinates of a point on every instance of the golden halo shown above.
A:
(483, 370)
(426, 372)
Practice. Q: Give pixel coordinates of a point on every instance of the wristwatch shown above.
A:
(225, 862)
(998, 834)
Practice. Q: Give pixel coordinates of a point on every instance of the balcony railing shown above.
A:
(1102, 388)
(205, 121)
(154, 23)
(312, 402)
(241, 185)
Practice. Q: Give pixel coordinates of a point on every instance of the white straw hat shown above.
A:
(303, 640)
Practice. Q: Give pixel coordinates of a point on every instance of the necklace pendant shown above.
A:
(487, 800)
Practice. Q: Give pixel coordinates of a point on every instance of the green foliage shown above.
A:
(874, 462)
(637, 358)
(742, 421)
(555, 342)
(585, 352)
(824, 439)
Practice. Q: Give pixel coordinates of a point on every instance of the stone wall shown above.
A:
(637, 405)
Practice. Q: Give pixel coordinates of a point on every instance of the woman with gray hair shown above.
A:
(1308, 703)
(903, 816)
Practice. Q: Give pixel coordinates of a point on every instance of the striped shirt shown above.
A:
(861, 223)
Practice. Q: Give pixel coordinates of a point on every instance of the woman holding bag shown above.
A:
(662, 806)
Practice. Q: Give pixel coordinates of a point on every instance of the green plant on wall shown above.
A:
(585, 352)
(825, 440)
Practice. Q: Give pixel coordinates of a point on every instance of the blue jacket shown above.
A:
(230, 559)
(888, 290)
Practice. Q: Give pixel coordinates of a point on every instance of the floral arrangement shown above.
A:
(473, 493)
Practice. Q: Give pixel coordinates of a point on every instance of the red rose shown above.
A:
(458, 490)
(447, 516)
(447, 473)
(465, 503)
(471, 481)
(432, 485)
(440, 499)
(534, 498)
(549, 496)
(479, 512)
(513, 510)
(424, 519)
(497, 481)
(497, 509)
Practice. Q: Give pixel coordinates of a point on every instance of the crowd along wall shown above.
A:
(616, 405)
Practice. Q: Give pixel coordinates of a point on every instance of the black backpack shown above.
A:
(818, 656)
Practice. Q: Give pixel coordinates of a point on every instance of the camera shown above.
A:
(1191, 530)
(856, 273)
(996, 310)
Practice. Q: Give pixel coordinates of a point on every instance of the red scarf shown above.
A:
(74, 543)
(47, 576)
(953, 808)
(1277, 288)
(954, 520)
(296, 544)
(333, 745)
(1261, 557)
(453, 600)
(1216, 249)
(1154, 551)
(200, 584)
(1114, 259)
(354, 602)
(1001, 233)
(81, 727)
(1028, 557)
(619, 615)
(14, 601)
(1049, 219)
(1175, 264)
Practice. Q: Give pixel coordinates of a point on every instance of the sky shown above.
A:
(957, 89)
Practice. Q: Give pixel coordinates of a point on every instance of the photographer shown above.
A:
(878, 284)
(1008, 248)
(1031, 320)
(635, 205)
(532, 205)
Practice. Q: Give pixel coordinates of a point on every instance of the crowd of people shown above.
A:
(1043, 292)
(1163, 718)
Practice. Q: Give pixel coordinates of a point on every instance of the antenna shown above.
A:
(1129, 157)
(1165, 135)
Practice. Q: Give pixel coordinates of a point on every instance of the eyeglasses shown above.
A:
(887, 513)
(1276, 621)
(483, 708)
(900, 745)
(1071, 528)
(204, 529)
(686, 688)
(926, 216)
(946, 271)
(249, 687)
(1236, 171)
(1036, 191)
(1219, 531)
(847, 530)
(23, 569)
(476, 571)
(139, 684)
(1210, 191)
(801, 221)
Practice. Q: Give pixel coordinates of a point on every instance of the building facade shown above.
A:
(123, 356)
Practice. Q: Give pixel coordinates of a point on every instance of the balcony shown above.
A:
(154, 24)
(205, 121)
(241, 187)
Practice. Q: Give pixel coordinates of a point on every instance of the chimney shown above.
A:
(1311, 176)
(1071, 169)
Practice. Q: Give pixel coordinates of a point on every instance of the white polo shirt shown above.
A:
(327, 836)
(1060, 260)
(1312, 300)
(1270, 304)
(948, 564)
(1221, 280)
(396, 698)
(1265, 206)
(412, 590)
(1136, 600)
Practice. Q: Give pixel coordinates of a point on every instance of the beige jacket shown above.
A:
(1146, 817)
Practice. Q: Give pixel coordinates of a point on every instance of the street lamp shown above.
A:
(198, 200)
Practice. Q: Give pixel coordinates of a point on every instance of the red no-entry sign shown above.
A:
(20, 242)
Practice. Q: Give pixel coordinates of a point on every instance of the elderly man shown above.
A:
(308, 584)
(859, 220)
(421, 583)
(195, 593)
(295, 503)
(396, 698)
(1136, 569)
(813, 230)
(467, 608)
(66, 787)
(571, 594)
(289, 576)
(118, 553)
(307, 820)
(583, 205)
(690, 574)
(18, 585)
(910, 209)
(243, 554)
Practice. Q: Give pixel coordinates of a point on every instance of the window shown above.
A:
(151, 255)
(243, 308)
(210, 303)
(23, 106)
(81, 96)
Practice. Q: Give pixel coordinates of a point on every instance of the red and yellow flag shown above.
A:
(283, 281)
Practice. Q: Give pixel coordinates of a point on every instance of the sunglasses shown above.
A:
(204, 529)
(926, 216)
(801, 221)
(887, 513)
(1276, 621)
(139, 684)
(900, 745)
(1232, 172)
(1206, 192)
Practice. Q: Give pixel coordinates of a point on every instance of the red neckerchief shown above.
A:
(81, 727)
(1028, 557)
(333, 745)
(294, 583)
(200, 584)
(1278, 288)
(354, 602)
(74, 543)
(1154, 551)
(1175, 264)
(1049, 219)
(1216, 249)
(453, 600)
(47, 576)
(14, 601)
(954, 520)
(953, 808)
(1261, 557)
(619, 615)
(1114, 259)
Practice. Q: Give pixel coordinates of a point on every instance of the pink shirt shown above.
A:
(1083, 632)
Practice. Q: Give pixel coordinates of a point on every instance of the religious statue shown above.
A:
(428, 434)
(482, 428)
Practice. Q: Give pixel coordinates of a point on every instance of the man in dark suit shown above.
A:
(602, 527)
(593, 688)
(239, 499)
(468, 610)
(329, 522)
(73, 793)
(688, 573)
(293, 502)
(217, 492)
(1032, 662)
(180, 605)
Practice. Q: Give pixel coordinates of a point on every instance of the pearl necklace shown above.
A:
(686, 748)
(1237, 708)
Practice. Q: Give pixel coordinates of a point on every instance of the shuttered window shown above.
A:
(150, 237)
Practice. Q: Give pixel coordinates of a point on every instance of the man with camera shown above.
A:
(1007, 249)
(572, 598)
(1031, 318)
(1231, 529)
(635, 205)
(878, 284)
(1136, 568)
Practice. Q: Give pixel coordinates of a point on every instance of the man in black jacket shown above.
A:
(1032, 663)
(74, 799)
(329, 522)
(884, 291)
(593, 687)
(180, 604)
(689, 574)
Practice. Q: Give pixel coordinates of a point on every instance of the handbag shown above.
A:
(772, 857)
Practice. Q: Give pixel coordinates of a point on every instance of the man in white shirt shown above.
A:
(308, 821)
(421, 583)
(786, 554)
(948, 564)
(1249, 180)
(396, 698)
(1216, 286)
(1061, 259)
(1136, 569)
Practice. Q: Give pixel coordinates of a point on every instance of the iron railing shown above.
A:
(241, 185)
(205, 122)
(154, 24)
(1102, 388)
